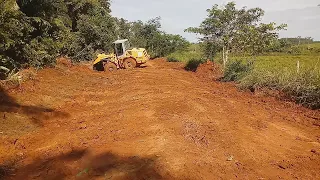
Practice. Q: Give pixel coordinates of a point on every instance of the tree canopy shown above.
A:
(232, 29)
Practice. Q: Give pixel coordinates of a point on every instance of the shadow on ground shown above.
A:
(142, 66)
(36, 113)
(80, 164)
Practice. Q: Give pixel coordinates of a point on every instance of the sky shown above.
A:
(302, 16)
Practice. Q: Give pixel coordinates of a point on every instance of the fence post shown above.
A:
(298, 66)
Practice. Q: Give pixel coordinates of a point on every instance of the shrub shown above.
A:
(185, 55)
(236, 70)
(304, 88)
(193, 64)
(172, 59)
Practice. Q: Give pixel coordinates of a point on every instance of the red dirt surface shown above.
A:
(64, 62)
(209, 70)
(154, 122)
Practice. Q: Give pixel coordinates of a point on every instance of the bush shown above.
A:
(193, 64)
(236, 70)
(172, 59)
(303, 87)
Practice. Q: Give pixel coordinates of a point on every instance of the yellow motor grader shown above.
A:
(123, 57)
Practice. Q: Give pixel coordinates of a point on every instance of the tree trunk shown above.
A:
(226, 56)
(223, 57)
(211, 56)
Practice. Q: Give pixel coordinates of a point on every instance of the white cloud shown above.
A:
(180, 14)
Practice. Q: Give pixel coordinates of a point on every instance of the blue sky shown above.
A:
(302, 16)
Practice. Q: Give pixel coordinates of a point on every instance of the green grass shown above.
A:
(281, 73)
(312, 45)
(310, 49)
(303, 49)
(193, 52)
(192, 57)
(289, 63)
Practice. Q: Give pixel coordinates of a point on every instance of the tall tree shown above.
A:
(225, 27)
(256, 39)
(149, 36)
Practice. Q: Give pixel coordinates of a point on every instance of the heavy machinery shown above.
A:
(123, 57)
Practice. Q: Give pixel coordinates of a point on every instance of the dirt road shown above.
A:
(154, 122)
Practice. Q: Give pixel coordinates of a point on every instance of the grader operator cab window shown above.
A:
(121, 46)
(119, 49)
(126, 45)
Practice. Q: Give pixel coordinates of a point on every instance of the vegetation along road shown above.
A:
(154, 122)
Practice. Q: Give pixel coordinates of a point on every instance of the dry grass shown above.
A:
(14, 80)
(281, 73)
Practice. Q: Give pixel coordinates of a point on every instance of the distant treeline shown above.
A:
(298, 40)
(36, 32)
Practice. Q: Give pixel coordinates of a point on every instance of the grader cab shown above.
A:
(123, 57)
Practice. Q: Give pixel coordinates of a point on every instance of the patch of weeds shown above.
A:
(236, 70)
(85, 171)
(172, 59)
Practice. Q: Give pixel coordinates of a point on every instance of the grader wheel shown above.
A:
(129, 63)
(98, 67)
(110, 67)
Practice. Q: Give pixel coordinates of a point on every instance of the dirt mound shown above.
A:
(64, 62)
(209, 70)
(85, 67)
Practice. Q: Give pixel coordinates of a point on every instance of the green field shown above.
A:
(193, 52)
(296, 75)
(283, 62)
